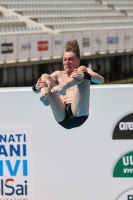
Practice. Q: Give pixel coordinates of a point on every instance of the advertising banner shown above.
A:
(87, 42)
(39, 159)
(128, 39)
(2, 43)
(124, 166)
(102, 40)
(16, 161)
(78, 36)
(24, 47)
(57, 46)
(66, 37)
(37, 46)
(10, 48)
(112, 40)
(44, 46)
(95, 41)
(121, 40)
(124, 128)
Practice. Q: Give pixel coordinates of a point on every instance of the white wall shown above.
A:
(64, 164)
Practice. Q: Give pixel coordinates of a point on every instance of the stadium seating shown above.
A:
(70, 20)
(9, 19)
(19, 30)
(116, 1)
(121, 5)
(42, 1)
(130, 12)
(14, 23)
(102, 27)
(55, 6)
(64, 16)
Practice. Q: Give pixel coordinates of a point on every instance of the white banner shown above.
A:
(102, 41)
(10, 48)
(95, 41)
(24, 47)
(121, 39)
(57, 46)
(2, 48)
(78, 36)
(36, 42)
(87, 42)
(91, 162)
(128, 39)
(44, 46)
(112, 40)
(66, 37)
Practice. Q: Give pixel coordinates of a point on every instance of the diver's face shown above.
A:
(70, 61)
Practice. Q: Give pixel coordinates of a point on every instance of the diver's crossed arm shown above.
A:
(76, 78)
(95, 77)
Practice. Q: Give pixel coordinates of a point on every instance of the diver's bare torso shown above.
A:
(68, 97)
(62, 77)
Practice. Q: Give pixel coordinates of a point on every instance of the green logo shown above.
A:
(124, 167)
(86, 42)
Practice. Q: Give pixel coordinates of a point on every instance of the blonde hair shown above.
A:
(72, 46)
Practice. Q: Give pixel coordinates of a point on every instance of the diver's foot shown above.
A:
(61, 89)
(44, 99)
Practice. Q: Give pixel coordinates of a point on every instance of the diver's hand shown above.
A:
(77, 75)
(40, 84)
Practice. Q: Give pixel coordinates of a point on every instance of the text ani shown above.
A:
(12, 149)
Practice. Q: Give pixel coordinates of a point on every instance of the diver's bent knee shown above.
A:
(45, 76)
(82, 68)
